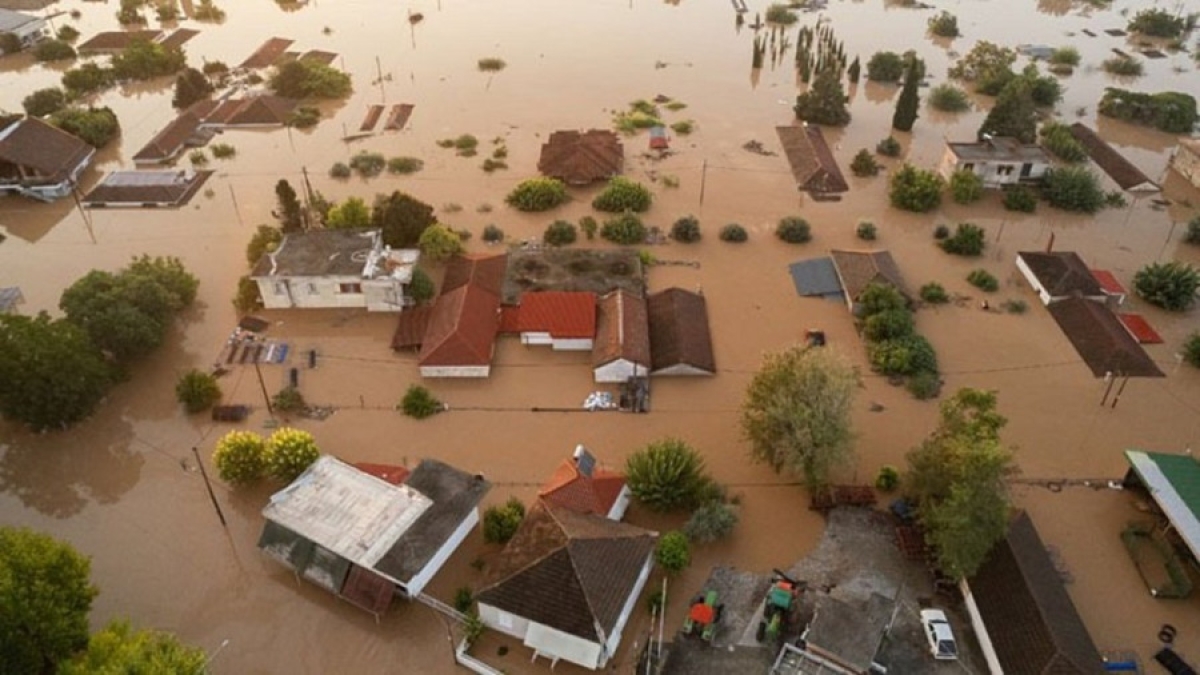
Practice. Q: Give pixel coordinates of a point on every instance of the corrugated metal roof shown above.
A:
(815, 277)
(1174, 482)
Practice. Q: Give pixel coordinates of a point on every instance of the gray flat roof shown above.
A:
(319, 253)
(1001, 149)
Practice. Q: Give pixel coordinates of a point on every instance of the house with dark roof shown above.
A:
(998, 161)
(143, 189)
(1058, 275)
(565, 320)
(1025, 621)
(567, 584)
(364, 538)
(580, 158)
(581, 485)
(461, 331)
(813, 164)
(680, 340)
(114, 41)
(39, 160)
(28, 29)
(856, 270)
(1121, 170)
(264, 110)
(169, 143)
(322, 269)
(622, 348)
(1102, 340)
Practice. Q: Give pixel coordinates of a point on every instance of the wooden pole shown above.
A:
(1120, 389)
(703, 179)
(87, 218)
(211, 495)
(263, 385)
(379, 70)
(1109, 378)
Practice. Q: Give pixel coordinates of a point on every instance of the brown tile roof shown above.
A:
(572, 572)
(812, 162)
(411, 326)
(485, 271)
(466, 316)
(267, 53)
(256, 111)
(679, 331)
(1030, 619)
(115, 41)
(568, 488)
(859, 269)
(581, 158)
(622, 329)
(319, 56)
(178, 38)
(171, 140)
(562, 314)
(1061, 273)
(1121, 170)
(48, 150)
(159, 188)
(1102, 341)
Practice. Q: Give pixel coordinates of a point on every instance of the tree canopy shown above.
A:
(352, 213)
(94, 126)
(118, 649)
(825, 102)
(796, 413)
(190, 86)
(908, 104)
(439, 243)
(51, 375)
(914, 189)
(402, 218)
(308, 78)
(1014, 115)
(144, 60)
(1170, 285)
(667, 474)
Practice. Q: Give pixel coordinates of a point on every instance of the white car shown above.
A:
(938, 635)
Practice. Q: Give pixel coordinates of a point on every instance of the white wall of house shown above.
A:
(455, 371)
(502, 621)
(383, 295)
(621, 505)
(539, 338)
(418, 582)
(681, 370)
(618, 371)
(614, 638)
(981, 633)
(552, 643)
(1187, 163)
(315, 292)
(30, 33)
(995, 173)
(1033, 281)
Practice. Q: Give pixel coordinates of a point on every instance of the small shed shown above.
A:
(680, 340)
(580, 158)
(813, 165)
(1186, 160)
(1173, 481)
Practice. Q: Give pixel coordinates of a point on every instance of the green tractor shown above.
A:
(703, 616)
(781, 606)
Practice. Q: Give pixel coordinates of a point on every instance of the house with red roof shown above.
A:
(565, 320)
(462, 326)
(581, 485)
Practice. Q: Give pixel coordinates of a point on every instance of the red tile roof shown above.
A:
(392, 474)
(569, 489)
(462, 328)
(622, 329)
(581, 158)
(1141, 329)
(563, 314)
(485, 271)
(1108, 282)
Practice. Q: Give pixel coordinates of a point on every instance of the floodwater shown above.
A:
(123, 486)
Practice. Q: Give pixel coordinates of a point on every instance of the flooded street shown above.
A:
(123, 487)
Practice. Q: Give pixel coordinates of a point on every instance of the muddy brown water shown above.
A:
(123, 488)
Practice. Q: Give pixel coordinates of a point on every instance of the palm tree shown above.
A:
(1170, 285)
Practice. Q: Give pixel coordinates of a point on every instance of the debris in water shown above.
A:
(758, 149)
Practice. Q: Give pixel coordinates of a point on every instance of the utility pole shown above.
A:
(263, 385)
(87, 218)
(211, 495)
(1120, 390)
(703, 179)
(379, 69)
(237, 211)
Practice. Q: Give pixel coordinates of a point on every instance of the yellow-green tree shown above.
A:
(290, 452)
(240, 457)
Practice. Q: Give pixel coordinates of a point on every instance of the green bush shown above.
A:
(419, 403)
(793, 230)
(309, 78)
(197, 157)
(492, 234)
(197, 391)
(421, 288)
(304, 117)
(264, 240)
(463, 599)
(917, 190)
(1115, 199)
(733, 233)
(781, 14)
(1015, 306)
(1160, 23)
(240, 457)
(968, 240)
(712, 521)
(53, 50)
(686, 230)
(1170, 285)
(885, 67)
(949, 98)
(888, 325)
(247, 298)
(941, 232)
(560, 233)
(878, 298)
(44, 102)
(1057, 138)
(145, 60)
(289, 400)
(934, 293)
(1192, 236)
(500, 523)
(864, 164)
(1073, 188)
(1065, 56)
(290, 452)
(667, 475)
(966, 187)
(340, 170)
(1191, 350)
(626, 229)
(888, 478)
(95, 126)
(589, 226)
(623, 194)
(1125, 66)
(86, 79)
(1170, 111)
(67, 33)
(404, 165)
(866, 231)
(673, 553)
(368, 164)
(1020, 199)
(223, 150)
(683, 127)
(924, 385)
(983, 280)
(888, 147)
(537, 194)
(908, 355)
(944, 24)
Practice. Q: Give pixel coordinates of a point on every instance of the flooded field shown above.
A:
(123, 486)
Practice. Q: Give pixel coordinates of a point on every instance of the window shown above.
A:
(969, 166)
(280, 288)
(1004, 170)
(312, 289)
(349, 288)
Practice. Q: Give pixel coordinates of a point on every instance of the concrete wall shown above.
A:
(981, 634)
(1033, 281)
(564, 344)
(504, 622)
(994, 174)
(418, 582)
(313, 292)
(621, 505)
(556, 645)
(618, 371)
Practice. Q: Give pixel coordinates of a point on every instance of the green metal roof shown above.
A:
(1174, 482)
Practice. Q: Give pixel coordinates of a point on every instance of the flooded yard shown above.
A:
(123, 487)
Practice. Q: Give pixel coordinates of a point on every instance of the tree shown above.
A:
(888, 325)
(419, 403)
(622, 194)
(53, 50)
(146, 60)
(864, 164)
(402, 218)
(291, 213)
(885, 67)
(350, 214)
(537, 194)
(1014, 114)
(190, 86)
(957, 479)
(309, 78)
(247, 297)
(240, 457)
(51, 375)
(289, 452)
(421, 287)
(1073, 188)
(796, 413)
(712, 521)
(949, 98)
(733, 233)
(439, 243)
(45, 597)
(118, 648)
(197, 391)
(914, 189)
(667, 475)
(1191, 350)
(825, 102)
(87, 78)
(793, 230)
(673, 553)
(1160, 23)
(95, 126)
(906, 355)
(1058, 139)
(854, 71)
(968, 240)
(1170, 285)
(908, 104)
(1170, 111)
(966, 186)
(944, 24)
(44, 102)
(500, 523)
(626, 229)
(560, 233)
(686, 230)
(265, 240)
(987, 65)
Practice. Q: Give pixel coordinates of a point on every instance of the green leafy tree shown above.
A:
(500, 523)
(1057, 138)
(793, 230)
(878, 298)
(1158, 22)
(537, 194)
(1170, 285)
(53, 50)
(686, 230)
(421, 288)
(438, 243)
(908, 104)
(419, 403)
(197, 391)
(1191, 350)
(1014, 114)
(907, 355)
(966, 187)
(87, 78)
(825, 102)
(885, 67)
(733, 233)
(309, 78)
(353, 213)
(854, 71)
(118, 648)
(44, 102)
(1020, 199)
(1170, 111)
(864, 164)
(146, 60)
(796, 413)
(94, 126)
(934, 293)
(51, 375)
(291, 213)
(987, 65)
(944, 24)
(247, 297)
(1045, 90)
(712, 521)
(888, 325)
(560, 233)
(949, 98)
(667, 475)
(45, 597)
(191, 85)
(265, 240)
(402, 217)
(240, 457)
(913, 189)
(1073, 188)
(673, 553)
(968, 240)
(289, 452)
(626, 229)
(622, 194)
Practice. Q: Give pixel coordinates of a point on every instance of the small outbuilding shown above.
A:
(1186, 160)
(581, 485)
(580, 158)
(998, 161)
(27, 28)
(813, 164)
(622, 347)
(1058, 275)
(680, 340)
(565, 320)
(856, 270)
(1173, 481)
(40, 161)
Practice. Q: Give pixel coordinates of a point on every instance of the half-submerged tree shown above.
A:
(118, 648)
(1014, 115)
(909, 103)
(825, 103)
(51, 375)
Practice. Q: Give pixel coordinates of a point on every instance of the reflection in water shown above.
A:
(877, 92)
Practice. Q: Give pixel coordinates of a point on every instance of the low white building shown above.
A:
(563, 320)
(40, 161)
(27, 28)
(1058, 275)
(1186, 160)
(335, 268)
(997, 161)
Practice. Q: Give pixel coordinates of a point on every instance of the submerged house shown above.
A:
(27, 28)
(335, 268)
(461, 328)
(366, 539)
(580, 158)
(1186, 160)
(998, 161)
(567, 584)
(1121, 170)
(1058, 275)
(813, 164)
(39, 160)
(169, 143)
(564, 320)
(680, 340)
(856, 270)
(581, 485)
(622, 348)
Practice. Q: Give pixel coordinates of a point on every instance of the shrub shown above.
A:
(304, 117)
(191, 86)
(1015, 306)
(421, 288)
(888, 478)
(500, 523)
(404, 165)
(686, 230)
(864, 164)
(68, 33)
(908, 355)
(1125, 66)
(44, 102)
(825, 101)
(1192, 236)
(667, 475)
(1170, 111)
(145, 60)
(10, 43)
(198, 157)
(465, 145)
(289, 400)
(560, 233)
(1065, 56)
(866, 231)
(368, 164)
(944, 24)
(1073, 188)
(87, 78)
(240, 457)
(983, 280)
(589, 226)
(438, 243)
(1191, 350)
(623, 194)
(733, 233)
(1159, 23)
(949, 98)
(340, 170)
(492, 234)
(463, 599)
(95, 126)
(223, 150)
(924, 385)
(683, 127)
(1057, 138)
(491, 65)
(888, 147)
(308, 78)
(966, 187)
(53, 50)
(1115, 199)
(626, 229)
(793, 230)
(489, 165)
(885, 67)
(781, 14)
(537, 194)
(934, 293)
(246, 298)
(1020, 199)
(419, 403)
(290, 452)
(197, 391)
(211, 68)
(941, 232)
(888, 325)
(879, 298)
(712, 521)
(916, 190)
(673, 553)
(968, 240)
(1171, 285)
